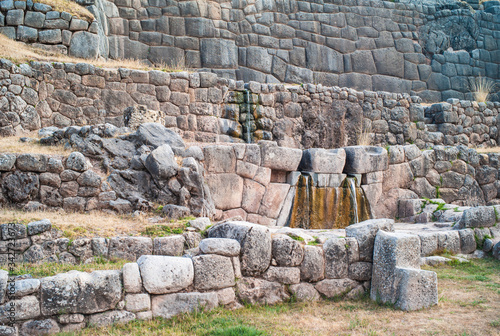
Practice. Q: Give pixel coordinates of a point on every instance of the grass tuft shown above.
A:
(481, 88)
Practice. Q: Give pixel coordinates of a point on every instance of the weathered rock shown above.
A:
(40, 327)
(279, 158)
(161, 163)
(255, 241)
(335, 287)
(130, 248)
(365, 159)
(226, 190)
(132, 282)
(80, 292)
(312, 268)
(137, 302)
(365, 233)
(258, 291)
(200, 224)
(4, 277)
(482, 216)
(169, 305)
(169, 246)
(336, 266)
(219, 159)
(284, 275)
(38, 227)
(26, 308)
(220, 246)
(84, 45)
(396, 277)
(495, 251)
(361, 271)
(111, 317)
(155, 135)
(226, 296)
(287, 251)
(76, 161)
(25, 287)
(173, 211)
(304, 292)
(13, 231)
(8, 331)
(7, 161)
(319, 160)
(212, 272)
(161, 274)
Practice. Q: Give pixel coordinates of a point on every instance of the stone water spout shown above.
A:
(325, 198)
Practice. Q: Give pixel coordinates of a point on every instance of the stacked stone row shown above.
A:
(40, 25)
(240, 262)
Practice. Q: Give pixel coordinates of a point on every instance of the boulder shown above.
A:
(7, 161)
(259, 291)
(481, 216)
(26, 286)
(162, 274)
(38, 227)
(221, 246)
(335, 287)
(169, 246)
(336, 266)
(219, 159)
(4, 278)
(173, 211)
(396, 276)
(130, 248)
(495, 251)
(161, 163)
(167, 306)
(365, 159)
(361, 271)
(132, 282)
(212, 272)
(284, 275)
(84, 45)
(26, 308)
(279, 158)
(287, 251)
(304, 292)
(137, 302)
(312, 268)
(76, 161)
(255, 241)
(365, 233)
(40, 327)
(111, 317)
(80, 292)
(319, 160)
(200, 224)
(153, 134)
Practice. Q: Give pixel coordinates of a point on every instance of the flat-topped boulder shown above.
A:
(279, 158)
(365, 159)
(319, 160)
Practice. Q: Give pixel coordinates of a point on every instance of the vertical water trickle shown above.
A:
(354, 201)
(248, 120)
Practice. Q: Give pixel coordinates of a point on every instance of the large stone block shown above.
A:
(167, 306)
(273, 199)
(467, 241)
(319, 160)
(335, 287)
(218, 54)
(255, 241)
(365, 159)
(279, 158)
(219, 159)
(259, 291)
(130, 248)
(336, 258)
(220, 246)
(213, 272)
(481, 216)
(169, 246)
(161, 163)
(284, 275)
(287, 251)
(154, 134)
(312, 268)
(365, 233)
(226, 190)
(161, 274)
(396, 276)
(80, 292)
(26, 308)
(84, 45)
(304, 292)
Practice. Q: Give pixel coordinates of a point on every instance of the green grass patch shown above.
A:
(50, 269)
(162, 230)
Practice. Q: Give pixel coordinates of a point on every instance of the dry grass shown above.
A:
(364, 137)
(19, 52)
(487, 150)
(69, 6)
(469, 304)
(76, 225)
(13, 144)
(482, 88)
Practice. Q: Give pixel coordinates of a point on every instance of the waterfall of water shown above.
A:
(248, 120)
(354, 204)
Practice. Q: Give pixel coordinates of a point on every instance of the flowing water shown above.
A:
(248, 116)
(328, 207)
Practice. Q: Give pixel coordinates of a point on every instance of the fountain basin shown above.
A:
(365, 159)
(319, 160)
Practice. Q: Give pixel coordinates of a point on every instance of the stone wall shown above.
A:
(39, 25)
(205, 108)
(239, 262)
